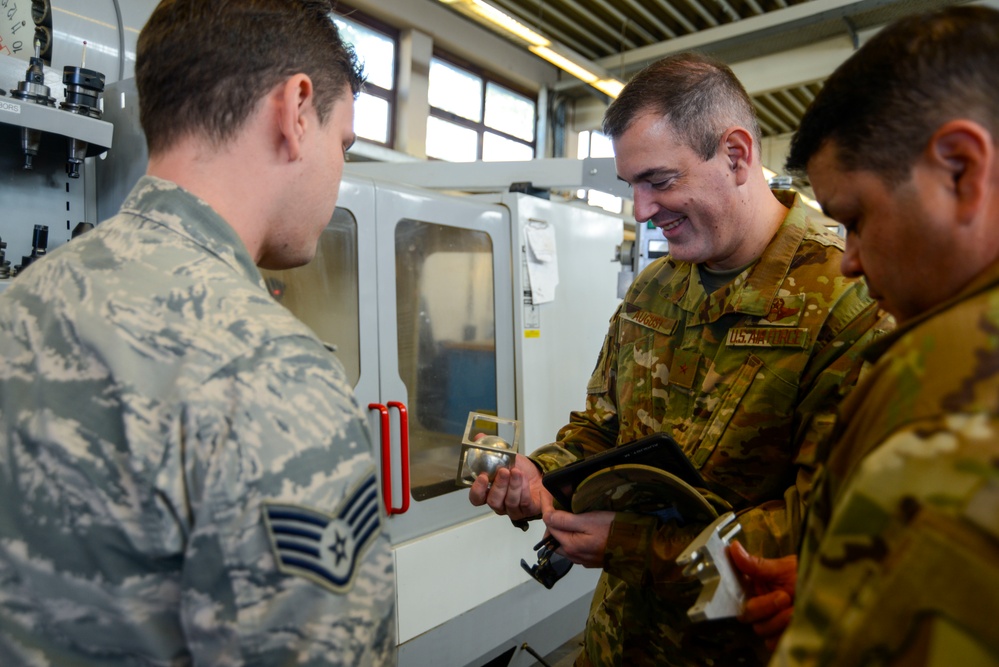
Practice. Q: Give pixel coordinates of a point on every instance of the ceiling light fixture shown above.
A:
(564, 63)
(611, 87)
(508, 23)
(561, 56)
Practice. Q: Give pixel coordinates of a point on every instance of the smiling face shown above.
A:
(690, 199)
(898, 237)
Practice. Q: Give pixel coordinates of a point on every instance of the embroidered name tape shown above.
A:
(664, 325)
(767, 337)
(324, 548)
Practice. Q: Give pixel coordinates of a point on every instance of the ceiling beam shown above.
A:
(796, 67)
(792, 17)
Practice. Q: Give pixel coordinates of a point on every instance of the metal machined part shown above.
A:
(706, 557)
(83, 91)
(32, 89)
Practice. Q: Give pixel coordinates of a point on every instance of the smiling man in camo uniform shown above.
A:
(739, 344)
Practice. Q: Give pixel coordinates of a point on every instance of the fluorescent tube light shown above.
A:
(564, 63)
(557, 54)
(508, 23)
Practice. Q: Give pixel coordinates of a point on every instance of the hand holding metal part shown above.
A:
(483, 453)
(706, 557)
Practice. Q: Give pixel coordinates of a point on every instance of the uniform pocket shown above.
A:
(746, 444)
(718, 423)
(643, 360)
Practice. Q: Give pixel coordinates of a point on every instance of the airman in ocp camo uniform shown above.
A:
(739, 344)
(900, 560)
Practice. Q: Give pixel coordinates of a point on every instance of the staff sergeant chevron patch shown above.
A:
(322, 547)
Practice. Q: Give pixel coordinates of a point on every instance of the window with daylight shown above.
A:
(376, 48)
(597, 144)
(473, 117)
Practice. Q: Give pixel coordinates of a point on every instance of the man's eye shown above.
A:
(663, 185)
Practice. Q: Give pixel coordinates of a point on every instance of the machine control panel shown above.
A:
(634, 255)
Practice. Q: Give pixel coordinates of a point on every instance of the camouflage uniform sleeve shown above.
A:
(907, 571)
(273, 447)
(774, 528)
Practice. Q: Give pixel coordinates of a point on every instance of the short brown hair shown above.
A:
(699, 97)
(202, 65)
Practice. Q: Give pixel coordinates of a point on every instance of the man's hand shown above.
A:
(583, 536)
(516, 492)
(770, 585)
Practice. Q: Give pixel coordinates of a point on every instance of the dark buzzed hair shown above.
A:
(881, 106)
(699, 96)
(202, 65)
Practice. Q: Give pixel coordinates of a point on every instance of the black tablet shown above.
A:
(658, 451)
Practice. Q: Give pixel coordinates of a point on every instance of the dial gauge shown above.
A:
(17, 26)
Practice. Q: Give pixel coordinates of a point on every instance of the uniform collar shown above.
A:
(752, 291)
(167, 204)
(987, 279)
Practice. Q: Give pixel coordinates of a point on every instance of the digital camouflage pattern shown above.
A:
(155, 401)
(900, 560)
(747, 380)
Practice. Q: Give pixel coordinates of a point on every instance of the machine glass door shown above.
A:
(447, 343)
(449, 350)
(336, 293)
(324, 294)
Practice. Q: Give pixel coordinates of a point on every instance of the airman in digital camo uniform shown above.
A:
(185, 475)
(900, 562)
(739, 344)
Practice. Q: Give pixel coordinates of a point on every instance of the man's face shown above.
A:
(336, 136)
(688, 198)
(313, 201)
(896, 235)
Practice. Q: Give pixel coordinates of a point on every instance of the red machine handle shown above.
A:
(403, 455)
(386, 454)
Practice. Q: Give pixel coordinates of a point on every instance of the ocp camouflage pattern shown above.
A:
(747, 380)
(153, 397)
(900, 560)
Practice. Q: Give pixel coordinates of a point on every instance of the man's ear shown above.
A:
(964, 152)
(295, 97)
(737, 144)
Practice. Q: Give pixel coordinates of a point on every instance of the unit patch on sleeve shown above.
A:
(324, 548)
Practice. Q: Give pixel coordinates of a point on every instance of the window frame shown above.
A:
(347, 13)
(480, 127)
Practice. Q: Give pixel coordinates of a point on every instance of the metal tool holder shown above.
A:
(707, 558)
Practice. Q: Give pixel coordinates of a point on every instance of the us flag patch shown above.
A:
(325, 548)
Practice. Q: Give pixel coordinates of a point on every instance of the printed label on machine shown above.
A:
(532, 314)
(541, 258)
(10, 107)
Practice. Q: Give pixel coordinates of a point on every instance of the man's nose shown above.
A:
(850, 265)
(644, 204)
